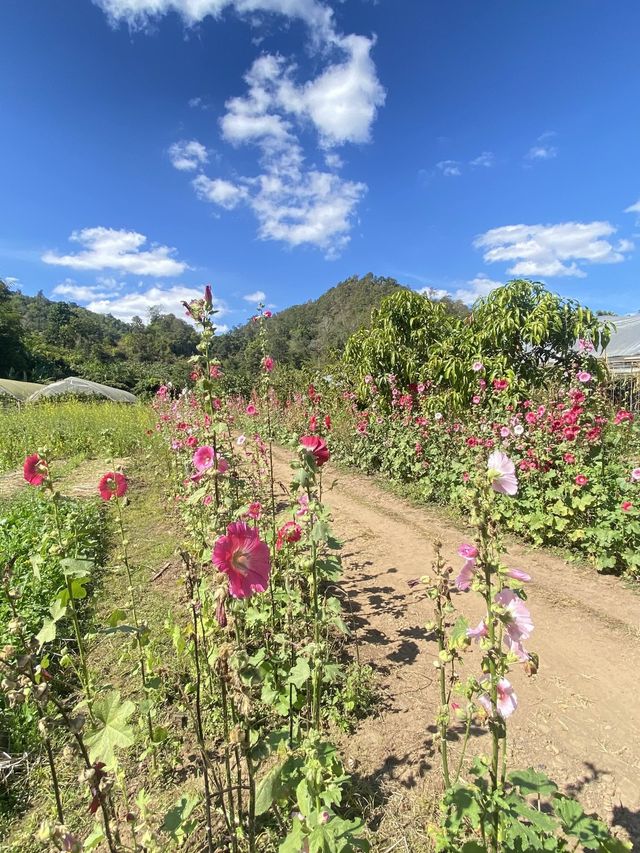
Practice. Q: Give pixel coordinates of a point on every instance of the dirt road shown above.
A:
(578, 720)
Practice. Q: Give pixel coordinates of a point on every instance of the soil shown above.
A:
(578, 719)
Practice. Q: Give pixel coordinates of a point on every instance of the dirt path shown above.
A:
(578, 719)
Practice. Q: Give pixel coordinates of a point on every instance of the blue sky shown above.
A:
(278, 146)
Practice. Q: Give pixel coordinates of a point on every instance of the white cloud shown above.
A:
(552, 250)
(256, 298)
(109, 248)
(434, 293)
(188, 155)
(634, 208)
(449, 168)
(542, 149)
(10, 280)
(486, 159)
(475, 289)
(224, 193)
(78, 292)
(333, 160)
(167, 299)
(139, 13)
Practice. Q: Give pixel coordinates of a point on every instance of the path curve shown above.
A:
(578, 719)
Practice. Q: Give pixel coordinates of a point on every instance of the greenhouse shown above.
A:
(12, 391)
(622, 353)
(76, 387)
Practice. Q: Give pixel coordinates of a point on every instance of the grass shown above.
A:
(73, 428)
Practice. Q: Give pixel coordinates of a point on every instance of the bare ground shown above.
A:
(578, 718)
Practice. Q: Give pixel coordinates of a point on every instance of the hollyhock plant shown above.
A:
(502, 473)
(112, 484)
(35, 469)
(251, 410)
(507, 700)
(317, 447)
(584, 376)
(517, 619)
(478, 632)
(244, 558)
(267, 364)
(581, 480)
(519, 575)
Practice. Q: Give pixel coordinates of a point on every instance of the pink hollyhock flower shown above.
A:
(519, 575)
(531, 417)
(478, 632)
(112, 484)
(207, 499)
(268, 314)
(289, 532)
(477, 366)
(35, 470)
(192, 441)
(507, 699)
(505, 432)
(622, 416)
(240, 440)
(469, 552)
(244, 558)
(635, 475)
(475, 399)
(215, 372)
(318, 447)
(327, 423)
(463, 581)
(569, 458)
(584, 376)
(626, 506)
(518, 622)
(267, 364)
(251, 409)
(502, 472)
(466, 477)
(205, 458)
(313, 423)
(500, 384)
(303, 502)
(581, 480)
(361, 427)
(255, 510)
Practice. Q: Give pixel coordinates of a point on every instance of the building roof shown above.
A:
(76, 386)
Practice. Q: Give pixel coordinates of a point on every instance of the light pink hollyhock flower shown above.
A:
(519, 575)
(244, 558)
(584, 376)
(635, 475)
(463, 581)
(478, 632)
(35, 470)
(478, 366)
(502, 471)
(507, 699)
(251, 409)
(240, 440)
(475, 399)
(469, 552)
(505, 432)
(112, 484)
(518, 429)
(517, 620)
(303, 501)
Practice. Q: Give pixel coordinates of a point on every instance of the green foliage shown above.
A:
(69, 428)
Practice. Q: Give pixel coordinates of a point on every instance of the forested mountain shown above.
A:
(43, 340)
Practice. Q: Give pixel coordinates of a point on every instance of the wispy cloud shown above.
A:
(553, 250)
(486, 160)
(543, 149)
(449, 168)
(188, 155)
(138, 303)
(109, 248)
(634, 208)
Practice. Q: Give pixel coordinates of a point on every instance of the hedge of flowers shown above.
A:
(577, 457)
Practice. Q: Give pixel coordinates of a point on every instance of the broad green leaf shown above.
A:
(74, 567)
(113, 730)
(268, 790)
(531, 782)
(300, 673)
(47, 633)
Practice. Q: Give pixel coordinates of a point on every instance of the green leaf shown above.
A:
(74, 567)
(113, 730)
(300, 673)
(268, 790)
(47, 633)
(531, 782)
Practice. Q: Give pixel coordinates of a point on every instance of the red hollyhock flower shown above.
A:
(581, 480)
(289, 532)
(318, 447)
(35, 470)
(626, 506)
(112, 483)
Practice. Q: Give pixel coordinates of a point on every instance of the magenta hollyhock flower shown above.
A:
(625, 506)
(208, 296)
(318, 447)
(502, 472)
(251, 409)
(469, 552)
(289, 533)
(517, 619)
(112, 483)
(507, 699)
(478, 632)
(584, 376)
(268, 314)
(35, 469)
(244, 558)
(581, 480)
(500, 384)
(255, 510)
(463, 581)
(267, 364)
(205, 458)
